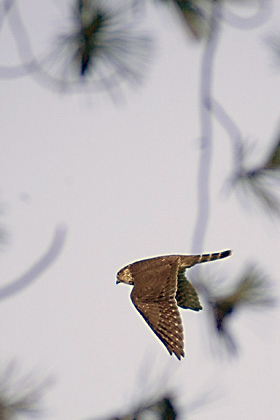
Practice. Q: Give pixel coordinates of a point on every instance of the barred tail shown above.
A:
(187, 261)
(215, 256)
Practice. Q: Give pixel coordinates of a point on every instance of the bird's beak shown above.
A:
(117, 282)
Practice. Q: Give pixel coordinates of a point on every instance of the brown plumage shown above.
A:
(160, 286)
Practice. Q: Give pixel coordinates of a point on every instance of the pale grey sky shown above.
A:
(122, 179)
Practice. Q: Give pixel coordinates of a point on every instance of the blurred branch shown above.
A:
(20, 397)
(273, 42)
(262, 182)
(208, 106)
(4, 236)
(251, 290)
(162, 409)
(197, 16)
(103, 48)
(4, 233)
(273, 162)
(257, 183)
(29, 64)
(227, 122)
(166, 407)
(38, 268)
(4, 9)
(206, 85)
(259, 18)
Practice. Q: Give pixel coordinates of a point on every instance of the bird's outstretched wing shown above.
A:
(186, 296)
(154, 297)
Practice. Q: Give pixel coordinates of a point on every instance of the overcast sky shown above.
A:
(121, 180)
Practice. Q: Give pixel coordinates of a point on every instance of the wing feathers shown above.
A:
(164, 319)
(160, 286)
(154, 297)
(186, 295)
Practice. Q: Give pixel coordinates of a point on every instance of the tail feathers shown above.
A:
(215, 256)
(190, 260)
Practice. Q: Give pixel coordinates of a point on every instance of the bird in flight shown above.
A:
(160, 286)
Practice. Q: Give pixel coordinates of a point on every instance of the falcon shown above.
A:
(160, 286)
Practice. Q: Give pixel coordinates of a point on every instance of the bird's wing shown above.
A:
(154, 297)
(186, 295)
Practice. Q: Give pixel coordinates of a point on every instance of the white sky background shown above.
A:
(123, 180)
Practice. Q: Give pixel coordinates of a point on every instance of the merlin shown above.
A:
(160, 286)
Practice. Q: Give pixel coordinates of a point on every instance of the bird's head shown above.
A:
(125, 276)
